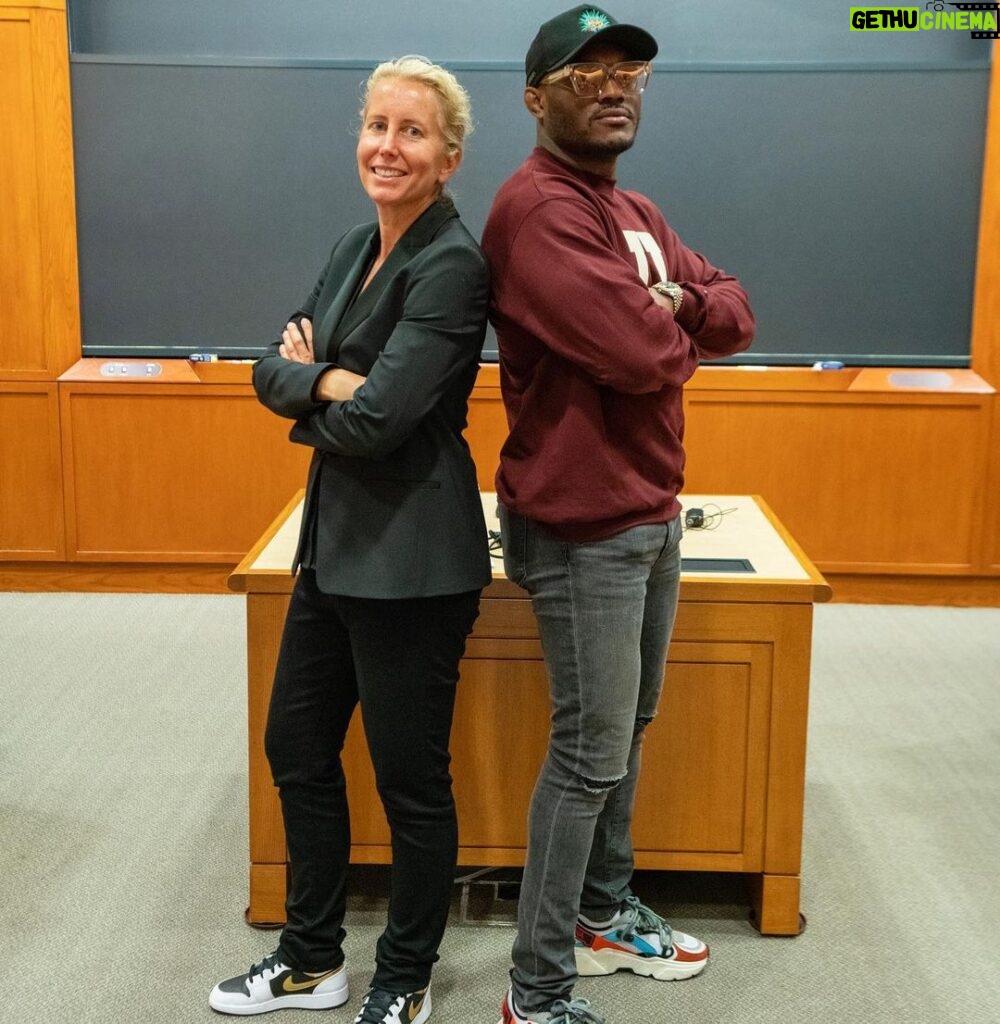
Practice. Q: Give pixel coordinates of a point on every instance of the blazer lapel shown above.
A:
(418, 235)
(328, 330)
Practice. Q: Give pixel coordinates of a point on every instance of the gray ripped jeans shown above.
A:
(605, 610)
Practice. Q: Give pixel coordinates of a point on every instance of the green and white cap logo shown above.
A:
(593, 21)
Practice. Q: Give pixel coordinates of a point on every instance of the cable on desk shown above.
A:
(704, 518)
(496, 543)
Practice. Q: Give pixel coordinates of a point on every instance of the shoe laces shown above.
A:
(577, 1011)
(637, 917)
(267, 963)
(379, 1003)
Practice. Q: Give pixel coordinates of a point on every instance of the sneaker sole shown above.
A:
(609, 961)
(325, 1001)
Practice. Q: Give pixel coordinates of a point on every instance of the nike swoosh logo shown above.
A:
(415, 1009)
(298, 986)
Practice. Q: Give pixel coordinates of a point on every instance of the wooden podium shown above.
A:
(731, 725)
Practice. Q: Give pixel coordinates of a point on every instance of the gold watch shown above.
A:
(672, 291)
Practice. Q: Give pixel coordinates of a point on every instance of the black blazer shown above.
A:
(392, 505)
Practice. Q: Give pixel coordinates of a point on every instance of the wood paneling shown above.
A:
(114, 577)
(873, 480)
(39, 319)
(876, 484)
(956, 591)
(487, 425)
(172, 473)
(866, 483)
(990, 496)
(31, 505)
(986, 312)
(39, 301)
(724, 731)
(21, 286)
(719, 811)
(986, 303)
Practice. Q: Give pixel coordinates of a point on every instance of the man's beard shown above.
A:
(572, 140)
(591, 148)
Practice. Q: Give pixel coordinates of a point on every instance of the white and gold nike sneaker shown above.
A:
(382, 1007)
(272, 985)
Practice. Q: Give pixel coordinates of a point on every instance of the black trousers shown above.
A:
(399, 660)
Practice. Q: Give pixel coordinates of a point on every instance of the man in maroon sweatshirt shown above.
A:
(601, 315)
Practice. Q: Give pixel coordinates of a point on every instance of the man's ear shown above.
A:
(533, 101)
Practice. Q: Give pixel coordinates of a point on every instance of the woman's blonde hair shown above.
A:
(453, 100)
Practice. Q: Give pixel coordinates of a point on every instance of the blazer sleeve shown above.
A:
(284, 387)
(437, 336)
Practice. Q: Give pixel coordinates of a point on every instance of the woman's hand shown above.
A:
(297, 342)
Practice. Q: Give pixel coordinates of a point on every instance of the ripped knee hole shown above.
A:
(599, 785)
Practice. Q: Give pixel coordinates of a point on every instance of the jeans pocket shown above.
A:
(674, 532)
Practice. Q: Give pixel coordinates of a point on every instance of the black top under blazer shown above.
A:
(392, 504)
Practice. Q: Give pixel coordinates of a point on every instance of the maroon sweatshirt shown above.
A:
(591, 367)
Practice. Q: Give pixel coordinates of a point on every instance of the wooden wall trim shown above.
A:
(40, 264)
(57, 214)
(34, 5)
(951, 591)
(114, 578)
(986, 303)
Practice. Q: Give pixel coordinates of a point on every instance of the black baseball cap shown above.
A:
(561, 38)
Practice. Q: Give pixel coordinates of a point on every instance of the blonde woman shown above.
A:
(375, 369)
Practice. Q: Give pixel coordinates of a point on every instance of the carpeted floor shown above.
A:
(123, 832)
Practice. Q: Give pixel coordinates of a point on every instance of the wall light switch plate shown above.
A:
(131, 369)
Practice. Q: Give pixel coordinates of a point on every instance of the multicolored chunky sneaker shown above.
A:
(272, 985)
(637, 939)
(577, 1011)
(382, 1007)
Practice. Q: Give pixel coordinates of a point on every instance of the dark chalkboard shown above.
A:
(837, 175)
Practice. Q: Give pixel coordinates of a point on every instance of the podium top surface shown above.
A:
(742, 550)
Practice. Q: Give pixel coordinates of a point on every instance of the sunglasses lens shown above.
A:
(589, 79)
(632, 75)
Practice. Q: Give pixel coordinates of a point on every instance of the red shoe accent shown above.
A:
(600, 942)
(506, 1013)
(684, 956)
